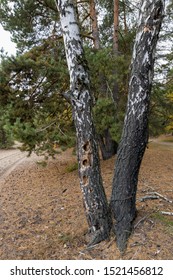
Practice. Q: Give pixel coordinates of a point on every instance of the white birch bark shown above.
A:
(94, 197)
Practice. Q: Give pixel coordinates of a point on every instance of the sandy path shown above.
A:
(9, 159)
(13, 159)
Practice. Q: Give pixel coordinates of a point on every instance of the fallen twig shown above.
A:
(148, 197)
(141, 220)
(161, 196)
(155, 195)
(166, 213)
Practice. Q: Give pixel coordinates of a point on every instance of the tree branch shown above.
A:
(67, 95)
(161, 196)
(148, 197)
(167, 213)
(141, 220)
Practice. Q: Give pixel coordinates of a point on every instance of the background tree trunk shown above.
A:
(95, 203)
(135, 131)
(125, 17)
(94, 23)
(115, 91)
(116, 26)
(107, 145)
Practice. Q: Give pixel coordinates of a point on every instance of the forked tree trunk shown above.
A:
(95, 203)
(135, 132)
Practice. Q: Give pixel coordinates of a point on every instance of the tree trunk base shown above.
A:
(123, 230)
(124, 216)
(97, 237)
(101, 233)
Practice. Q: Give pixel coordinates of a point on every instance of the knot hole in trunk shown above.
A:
(87, 155)
(85, 180)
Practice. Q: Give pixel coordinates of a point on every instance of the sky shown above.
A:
(5, 42)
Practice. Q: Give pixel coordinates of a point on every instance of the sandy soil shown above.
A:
(42, 216)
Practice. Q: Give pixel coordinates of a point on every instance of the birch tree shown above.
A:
(95, 202)
(135, 132)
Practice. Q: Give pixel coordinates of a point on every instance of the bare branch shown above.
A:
(167, 213)
(161, 196)
(46, 127)
(67, 95)
(141, 220)
(148, 197)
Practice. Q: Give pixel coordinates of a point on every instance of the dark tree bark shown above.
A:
(135, 132)
(95, 202)
(108, 146)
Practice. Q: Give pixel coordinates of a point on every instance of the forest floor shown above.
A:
(42, 216)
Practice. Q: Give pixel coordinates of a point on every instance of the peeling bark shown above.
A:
(95, 202)
(135, 131)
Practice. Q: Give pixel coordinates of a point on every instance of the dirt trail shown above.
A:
(42, 216)
(163, 141)
(9, 159)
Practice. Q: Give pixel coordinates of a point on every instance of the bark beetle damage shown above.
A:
(86, 161)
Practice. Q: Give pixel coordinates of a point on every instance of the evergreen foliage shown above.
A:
(33, 109)
(31, 89)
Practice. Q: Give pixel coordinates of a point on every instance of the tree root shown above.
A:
(97, 237)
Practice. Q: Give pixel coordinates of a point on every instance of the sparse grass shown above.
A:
(170, 140)
(72, 167)
(167, 221)
(170, 230)
(166, 138)
(65, 238)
